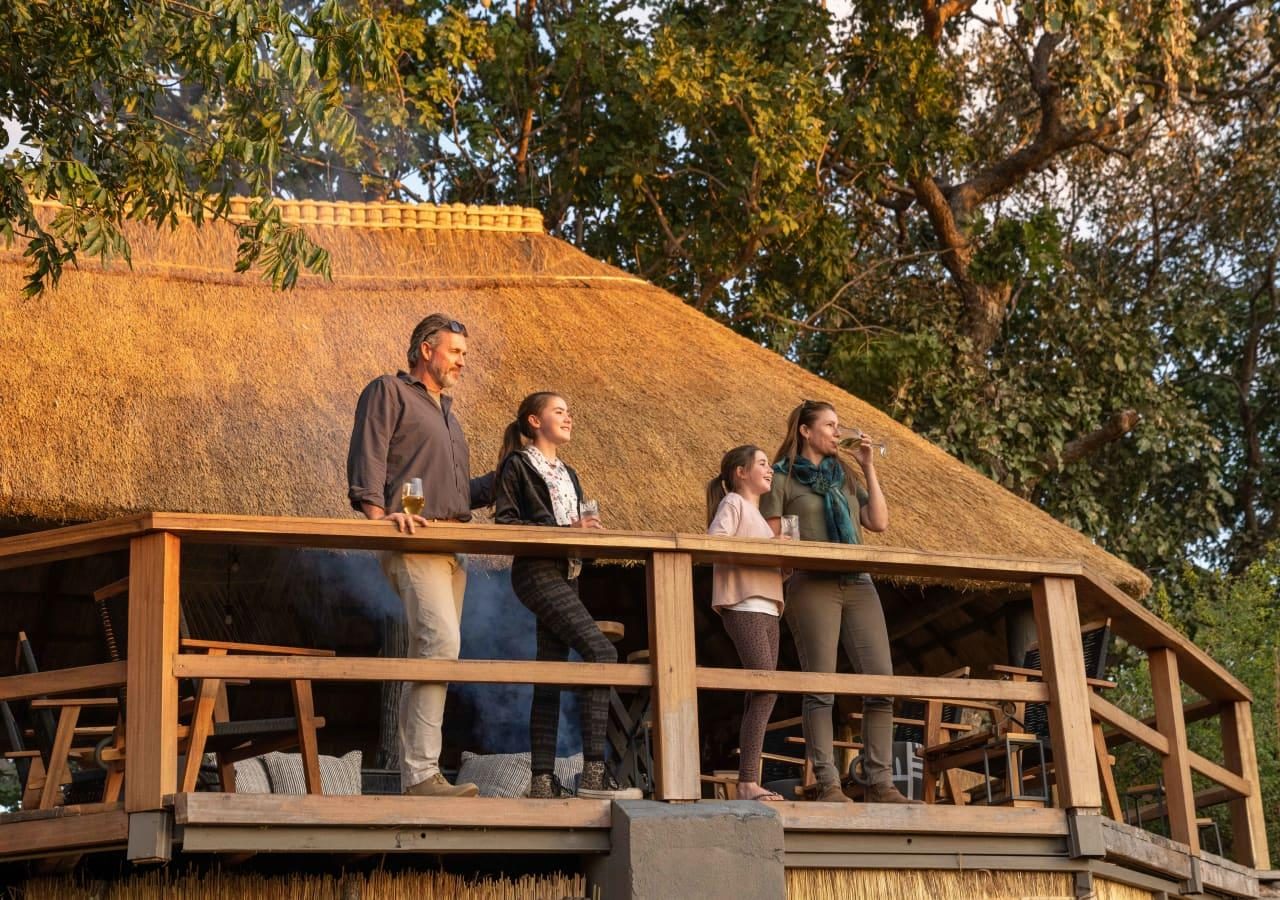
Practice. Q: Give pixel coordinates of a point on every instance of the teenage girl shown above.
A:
(827, 610)
(748, 598)
(536, 487)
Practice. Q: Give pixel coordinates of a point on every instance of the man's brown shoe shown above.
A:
(826, 793)
(438, 786)
(887, 793)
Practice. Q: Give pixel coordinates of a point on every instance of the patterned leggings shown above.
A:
(563, 623)
(756, 637)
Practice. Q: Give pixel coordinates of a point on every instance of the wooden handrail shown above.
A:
(908, 686)
(156, 661)
(1132, 728)
(461, 671)
(63, 681)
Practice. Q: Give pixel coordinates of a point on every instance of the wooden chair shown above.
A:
(1018, 727)
(210, 727)
(42, 743)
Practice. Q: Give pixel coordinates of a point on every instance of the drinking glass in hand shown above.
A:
(411, 497)
(590, 509)
(851, 437)
(790, 528)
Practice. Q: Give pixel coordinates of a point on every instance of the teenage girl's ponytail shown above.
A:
(718, 487)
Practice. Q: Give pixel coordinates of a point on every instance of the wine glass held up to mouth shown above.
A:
(851, 438)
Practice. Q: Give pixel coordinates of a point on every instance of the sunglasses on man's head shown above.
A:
(452, 325)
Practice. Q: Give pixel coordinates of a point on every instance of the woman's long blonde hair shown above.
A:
(806, 414)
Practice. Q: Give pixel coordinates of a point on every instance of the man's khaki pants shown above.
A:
(431, 586)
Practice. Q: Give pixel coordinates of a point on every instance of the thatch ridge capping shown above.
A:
(408, 216)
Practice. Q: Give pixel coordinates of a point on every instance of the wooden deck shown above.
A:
(822, 835)
(155, 817)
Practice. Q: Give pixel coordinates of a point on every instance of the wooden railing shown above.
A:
(154, 663)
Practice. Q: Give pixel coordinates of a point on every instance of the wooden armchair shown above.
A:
(45, 734)
(1024, 725)
(210, 727)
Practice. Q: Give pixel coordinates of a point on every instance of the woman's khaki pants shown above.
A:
(824, 612)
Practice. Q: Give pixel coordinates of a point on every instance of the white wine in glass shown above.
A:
(411, 497)
(851, 437)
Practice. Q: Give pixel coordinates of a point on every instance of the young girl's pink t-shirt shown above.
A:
(731, 585)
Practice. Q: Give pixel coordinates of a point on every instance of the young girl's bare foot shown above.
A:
(749, 790)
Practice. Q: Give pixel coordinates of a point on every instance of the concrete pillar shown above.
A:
(707, 849)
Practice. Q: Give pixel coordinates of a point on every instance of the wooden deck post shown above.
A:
(151, 720)
(1240, 753)
(1166, 692)
(675, 691)
(1070, 724)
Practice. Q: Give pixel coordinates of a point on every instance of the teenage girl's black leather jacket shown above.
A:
(521, 496)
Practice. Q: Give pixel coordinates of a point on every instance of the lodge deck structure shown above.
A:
(177, 384)
(155, 820)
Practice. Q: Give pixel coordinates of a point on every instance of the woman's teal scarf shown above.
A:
(826, 479)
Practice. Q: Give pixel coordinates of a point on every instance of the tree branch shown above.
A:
(1120, 424)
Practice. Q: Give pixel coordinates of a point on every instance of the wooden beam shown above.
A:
(1145, 630)
(1130, 727)
(344, 840)
(675, 689)
(359, 668)
(878, 560)
(885, 818)
(902, 626)
(1192, 712)
(438, 537)
(151, 765)
(63, 681)
(911, 686)
(1220, 774)
(1166, 691)
(61, 833)
(265, 810)
(74, 541)
(1248, 823)
(1062, 661)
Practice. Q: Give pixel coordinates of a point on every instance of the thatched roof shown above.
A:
(182, 386)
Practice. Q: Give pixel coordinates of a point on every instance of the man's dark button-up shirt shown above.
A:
(400, 433)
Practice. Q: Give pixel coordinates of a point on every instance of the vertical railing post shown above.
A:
(1240, 753)
(675, 687)
(151, 718)
(1179, 796)
(1070, 725)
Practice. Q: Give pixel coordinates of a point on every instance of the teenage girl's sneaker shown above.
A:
(547, 786)
(598, 783)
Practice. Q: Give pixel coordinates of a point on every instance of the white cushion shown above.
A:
(507, 774)
(281, 773)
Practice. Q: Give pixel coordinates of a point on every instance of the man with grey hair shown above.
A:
(405, 429)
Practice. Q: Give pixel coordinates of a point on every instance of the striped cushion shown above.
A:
(281, 773)
(251, 777)
(507, 774)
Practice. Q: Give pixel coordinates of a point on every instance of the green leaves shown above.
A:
(117, 134)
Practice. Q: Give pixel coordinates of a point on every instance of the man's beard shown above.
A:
(445, 378)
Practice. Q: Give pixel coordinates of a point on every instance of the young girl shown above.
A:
(748, 598)
(829, 609)
(535, 487)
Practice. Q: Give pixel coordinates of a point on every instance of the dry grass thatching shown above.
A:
(927, 884)
(182, 386)
(380, 885)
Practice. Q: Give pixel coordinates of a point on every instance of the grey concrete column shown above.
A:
(708, 849)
